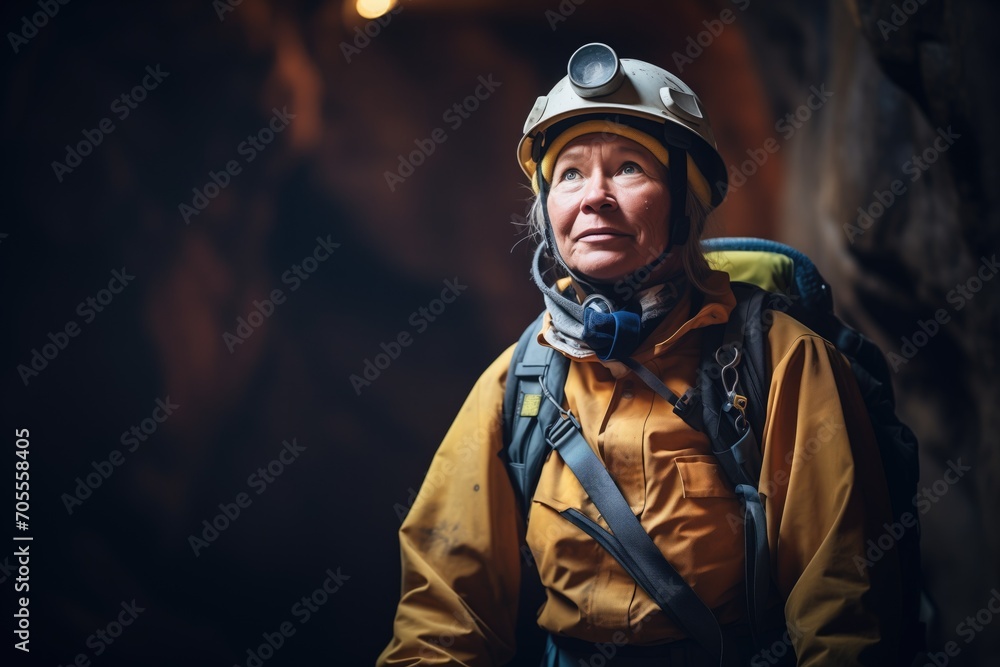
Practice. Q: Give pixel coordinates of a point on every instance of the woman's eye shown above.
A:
(570, 175)
(631, 168)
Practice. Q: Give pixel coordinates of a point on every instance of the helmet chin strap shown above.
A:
(680, 224)
(677, 175)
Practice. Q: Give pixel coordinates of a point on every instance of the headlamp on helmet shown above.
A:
(594, 70)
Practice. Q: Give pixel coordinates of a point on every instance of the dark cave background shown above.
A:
(454, 218)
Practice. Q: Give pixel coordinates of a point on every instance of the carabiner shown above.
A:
(730, 366)
(733, 400)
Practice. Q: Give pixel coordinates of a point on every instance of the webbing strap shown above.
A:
(742, 460)
(741, 464)
(758, 576)
(524, 428)
(682, 405)
(643, 560)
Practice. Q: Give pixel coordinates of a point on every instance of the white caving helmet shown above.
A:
(637, 100)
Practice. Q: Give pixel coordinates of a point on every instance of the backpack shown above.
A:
(766, 276)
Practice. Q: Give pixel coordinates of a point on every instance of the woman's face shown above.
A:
(609, 206)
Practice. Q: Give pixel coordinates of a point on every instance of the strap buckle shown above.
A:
(562, 431)
(683, 405)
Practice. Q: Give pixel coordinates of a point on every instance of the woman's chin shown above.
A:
(606, 271)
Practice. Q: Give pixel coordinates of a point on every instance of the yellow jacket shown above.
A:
(821, 481)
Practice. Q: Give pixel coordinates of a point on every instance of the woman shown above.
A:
(625, 169)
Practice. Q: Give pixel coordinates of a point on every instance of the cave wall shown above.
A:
(892, 192)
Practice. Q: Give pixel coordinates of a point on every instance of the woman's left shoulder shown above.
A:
(787, 334)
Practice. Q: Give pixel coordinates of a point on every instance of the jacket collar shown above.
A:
(718, 302)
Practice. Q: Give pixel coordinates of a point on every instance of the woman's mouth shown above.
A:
(601, 234)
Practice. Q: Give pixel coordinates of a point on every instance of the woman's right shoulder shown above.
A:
(491, 385)
(494, 378)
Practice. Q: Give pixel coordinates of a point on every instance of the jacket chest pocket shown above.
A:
(702, 477)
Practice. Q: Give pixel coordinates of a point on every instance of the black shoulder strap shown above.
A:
(724, 379)
(629, 542)
(526, 413)
(523, 454)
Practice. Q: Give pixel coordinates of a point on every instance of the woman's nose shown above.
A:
(598, 196)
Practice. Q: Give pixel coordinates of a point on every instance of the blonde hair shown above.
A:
(693, 261)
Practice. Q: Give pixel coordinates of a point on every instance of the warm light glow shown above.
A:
(372, 9)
